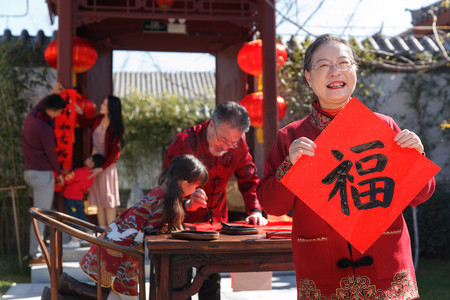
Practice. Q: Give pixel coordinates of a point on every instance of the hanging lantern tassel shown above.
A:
(249, 57)
(254, 105)
(165, 4)
(260, 135)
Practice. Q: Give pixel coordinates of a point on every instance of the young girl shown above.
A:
(161, 207)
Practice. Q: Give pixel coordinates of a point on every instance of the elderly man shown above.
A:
(220, 144)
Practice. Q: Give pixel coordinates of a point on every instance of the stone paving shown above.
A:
(283, 287)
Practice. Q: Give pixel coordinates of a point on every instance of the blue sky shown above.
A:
(359, 18)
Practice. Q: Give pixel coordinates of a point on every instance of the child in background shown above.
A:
(160, 208)
(76, 184)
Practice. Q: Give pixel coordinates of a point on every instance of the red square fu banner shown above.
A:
(359, 180)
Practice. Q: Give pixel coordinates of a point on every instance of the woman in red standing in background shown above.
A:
(106, 139)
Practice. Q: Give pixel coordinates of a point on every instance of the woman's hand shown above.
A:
(78, 109)
(299, 147)
(95, 172)
(408, 139)
(196, 200)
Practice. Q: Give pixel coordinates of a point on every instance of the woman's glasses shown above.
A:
(343, 65)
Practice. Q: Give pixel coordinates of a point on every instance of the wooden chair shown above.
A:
(59, 223)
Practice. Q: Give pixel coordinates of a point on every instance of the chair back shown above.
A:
(59, 223)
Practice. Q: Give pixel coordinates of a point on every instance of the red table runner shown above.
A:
(282, 228)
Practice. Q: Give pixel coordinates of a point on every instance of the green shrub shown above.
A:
(151, 123)
(19, 77)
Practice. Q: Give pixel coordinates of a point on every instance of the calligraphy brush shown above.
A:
(209, 216)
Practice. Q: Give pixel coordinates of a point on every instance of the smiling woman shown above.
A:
(326, 264)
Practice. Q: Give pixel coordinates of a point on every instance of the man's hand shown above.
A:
(196, 200)
(60, 180)
(58, 88)
(256, 218)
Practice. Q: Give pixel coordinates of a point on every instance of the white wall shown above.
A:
(396, 103)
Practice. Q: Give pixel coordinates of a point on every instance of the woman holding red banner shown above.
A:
(327, 266)
(107, 140)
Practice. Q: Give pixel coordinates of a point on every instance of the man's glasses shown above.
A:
(343, 65)
(224, 141)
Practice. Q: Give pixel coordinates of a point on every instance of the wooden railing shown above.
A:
(58, 223)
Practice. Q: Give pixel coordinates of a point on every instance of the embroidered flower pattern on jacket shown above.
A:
(283, 168)
(318, 119)
(403, 287)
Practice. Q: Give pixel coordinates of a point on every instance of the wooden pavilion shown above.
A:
(218, 27)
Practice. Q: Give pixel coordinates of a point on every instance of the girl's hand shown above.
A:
(408, 139)
(95, 172)
(299, 147)
(196, 200)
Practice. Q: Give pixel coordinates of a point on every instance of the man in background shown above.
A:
(40, 159)
(220, 145)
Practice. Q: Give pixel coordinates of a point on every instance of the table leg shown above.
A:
(154, 275)
(164, 291)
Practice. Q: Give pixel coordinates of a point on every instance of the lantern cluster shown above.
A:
(249, 59)
(254, 105)
(84, 55)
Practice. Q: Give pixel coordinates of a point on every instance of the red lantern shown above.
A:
(165, 4)
(84, 55)
(86, 105)
(249, 57)
(254, 105)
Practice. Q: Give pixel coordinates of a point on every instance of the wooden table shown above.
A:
(173, 259)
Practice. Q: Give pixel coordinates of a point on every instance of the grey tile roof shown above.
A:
(407, 45)
(193, 85)
(422, 15)
(201, 84)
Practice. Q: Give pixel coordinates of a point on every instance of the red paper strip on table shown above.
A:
(359, 180)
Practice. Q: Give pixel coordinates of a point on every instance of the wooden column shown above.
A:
(270, 119)
(229, 76)
(65, 33)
